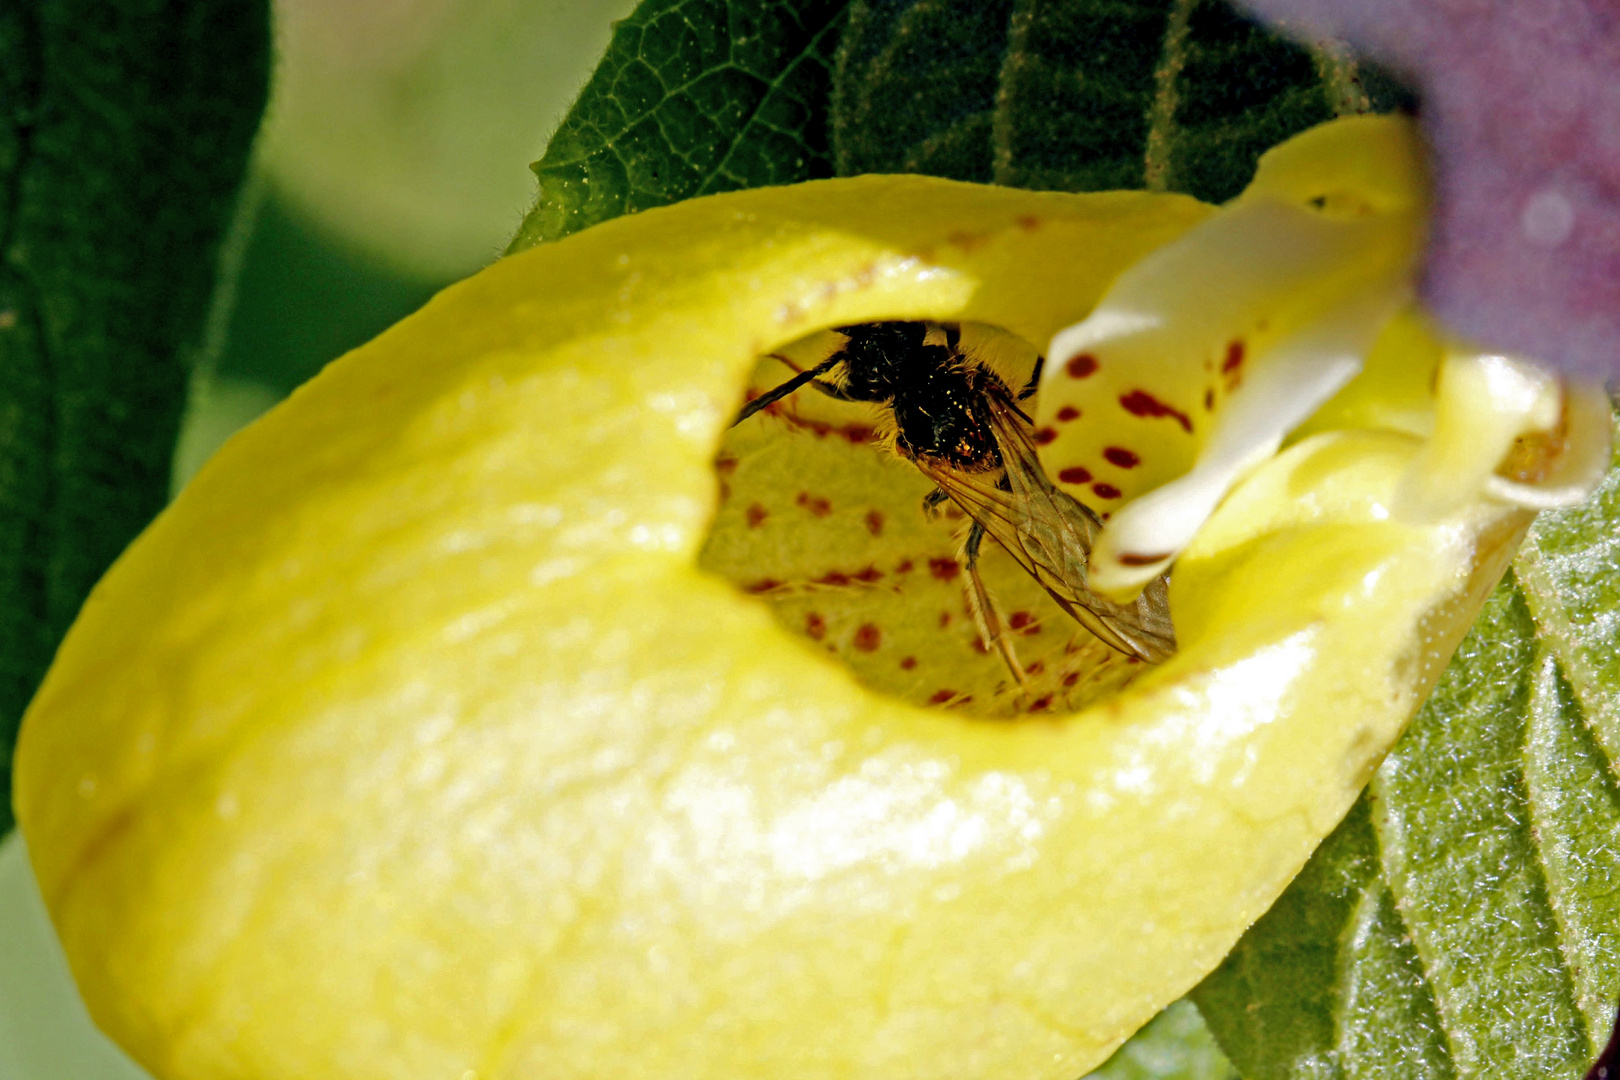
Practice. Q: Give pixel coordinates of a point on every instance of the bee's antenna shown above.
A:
(775, 394)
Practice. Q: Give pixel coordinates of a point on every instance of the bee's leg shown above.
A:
(953, 335)
(1034, 383)
(777, 393)
(984, 608)
(933, 501)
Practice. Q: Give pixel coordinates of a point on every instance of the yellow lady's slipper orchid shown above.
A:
(415, 739)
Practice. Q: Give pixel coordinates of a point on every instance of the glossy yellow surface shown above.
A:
(411, 741)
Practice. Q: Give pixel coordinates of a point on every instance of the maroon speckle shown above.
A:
(1028, 222)
(1143, 404)
(763, 585)
(944, 569)
(1044, 436)
(874, 522)
(868, 637)
(817, 505)
(944, 618)
(1125, 459)
(904, 567)
(1067, 413)
(1020, 619)
(1041, 704)
(963, 700)
(815, 626)
(756, 516)
(869, 575)
(725, 491)
(1234, 358)
(980, 645)
(940, 697)
(1209, 401)
(1075, 474)
(1105, 491)
(725, 466)
(907, 663)
(1071, 678)
(1081, 366)
(1036, 668)
(834, 578)
(1130, 559)
(859, 434)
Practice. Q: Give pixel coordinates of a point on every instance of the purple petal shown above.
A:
(1521, 105)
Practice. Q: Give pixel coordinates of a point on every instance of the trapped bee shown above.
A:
(960, 424)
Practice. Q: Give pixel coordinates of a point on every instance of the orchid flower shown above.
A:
(536, 720)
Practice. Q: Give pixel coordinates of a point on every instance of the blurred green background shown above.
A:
(393, 161)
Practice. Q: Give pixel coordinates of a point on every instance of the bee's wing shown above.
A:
(1051, 535)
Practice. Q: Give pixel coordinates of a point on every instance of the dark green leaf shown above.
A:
(125, 127)
(1074, 95)
(1465, 919)
(693, 97)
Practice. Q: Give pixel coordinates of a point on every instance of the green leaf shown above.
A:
(693, 97)
(125, 128)
(1175, 1045)
(1464, 920)
(1075, 95)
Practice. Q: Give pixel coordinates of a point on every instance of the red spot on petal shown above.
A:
(1143, 404)
(1067, 413)
(756, 516)
(869, 575)
(859, 434)
(1036, 668)
(725, 466)
(908, 662)
(874, 522)
(980, 645)
(940, 697)
(1041, 704)
(1105, 491)
(818, 506)
(762, 585)
(944, 569)
(833, 578)
(1028, 222)
(944, 618)
(904, 567)
(1044, 436)
(1125, 459)
(1234, 357)
(868, 637)
(1020, 619)
(1071, 678)
(1075, 474)
(815, 626)
(1131, 559)
(1081, 366)
(1209, 401)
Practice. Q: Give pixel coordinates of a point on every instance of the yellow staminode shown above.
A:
(413, 741)
(1202, 358)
